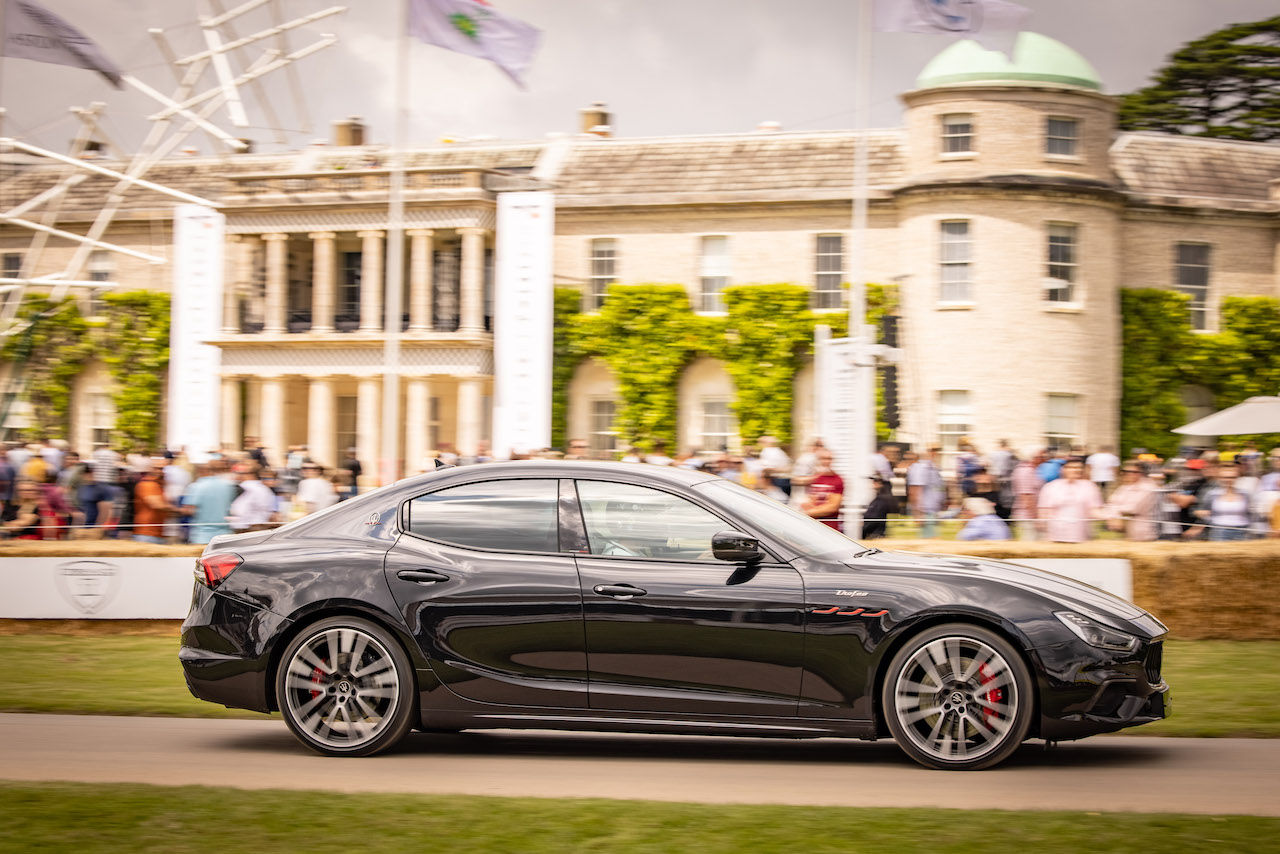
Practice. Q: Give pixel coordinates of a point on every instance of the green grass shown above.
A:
(91, 818)
(1220, 688)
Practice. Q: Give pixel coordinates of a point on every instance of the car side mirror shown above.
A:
(736, 546)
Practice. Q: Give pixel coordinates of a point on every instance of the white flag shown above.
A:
(994, 24)
(33, 32)
(477, 29)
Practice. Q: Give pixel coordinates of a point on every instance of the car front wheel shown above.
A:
(958, 697)
(346, 688)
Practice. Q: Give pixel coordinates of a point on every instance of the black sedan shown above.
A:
(634, 598)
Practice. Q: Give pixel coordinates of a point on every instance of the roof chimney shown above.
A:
(349, 131)
(596, 118)
(768, 127)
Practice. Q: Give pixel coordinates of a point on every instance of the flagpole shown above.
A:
(389, 458)
(862, 423)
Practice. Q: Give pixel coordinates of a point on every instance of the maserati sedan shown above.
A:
(636, 598)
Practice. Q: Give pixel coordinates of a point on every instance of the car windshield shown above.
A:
(800, 532)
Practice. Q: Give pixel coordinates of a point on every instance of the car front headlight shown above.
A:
(1095, 634)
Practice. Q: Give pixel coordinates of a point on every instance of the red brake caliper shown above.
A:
(316, 676)
(995, 695)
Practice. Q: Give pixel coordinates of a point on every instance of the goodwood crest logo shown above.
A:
(88, 585)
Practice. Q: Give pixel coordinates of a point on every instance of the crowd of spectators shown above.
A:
(48, 491)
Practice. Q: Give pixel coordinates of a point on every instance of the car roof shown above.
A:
(564, 468)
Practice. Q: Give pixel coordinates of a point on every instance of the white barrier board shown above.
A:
(101, 588)
(1109, 574)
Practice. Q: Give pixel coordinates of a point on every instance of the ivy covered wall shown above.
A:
(647, 335)
(1161, 356)
(131, 337)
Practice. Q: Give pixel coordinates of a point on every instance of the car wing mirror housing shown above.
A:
(736, 547)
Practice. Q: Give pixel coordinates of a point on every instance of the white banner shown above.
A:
(105, 588)
(523, 314)
(194, 384)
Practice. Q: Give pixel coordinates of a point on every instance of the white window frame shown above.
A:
(1059, 267)
(955, 142)
(602, 436)
(1052, 138)
(714, 271)
(603, 269)
(717, 424)
(828, 277)
(955, 422)
(1198, 308)
(955, 253)
(102, 419)
(1062, 428)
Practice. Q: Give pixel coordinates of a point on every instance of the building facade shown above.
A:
(1008, 210)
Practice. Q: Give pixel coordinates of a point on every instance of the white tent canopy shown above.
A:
(1255, 415)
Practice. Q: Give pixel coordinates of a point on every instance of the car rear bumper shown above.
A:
(225, 657)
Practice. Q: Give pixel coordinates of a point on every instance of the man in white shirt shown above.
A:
(315, 492)
(1102, 468)
(256, 505)
(777, 465)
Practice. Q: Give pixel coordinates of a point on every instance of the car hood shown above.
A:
(1067, 591)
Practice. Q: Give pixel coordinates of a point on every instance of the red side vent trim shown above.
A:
(218, 566)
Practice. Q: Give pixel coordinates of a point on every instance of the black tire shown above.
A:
(361, 705)
(958, 697)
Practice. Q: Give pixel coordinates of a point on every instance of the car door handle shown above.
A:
(619, 591)
(421, 576)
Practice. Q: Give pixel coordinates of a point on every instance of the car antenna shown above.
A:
(441, 464)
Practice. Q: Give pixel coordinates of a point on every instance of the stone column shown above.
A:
(229, 432)
(368, 428)
(235, 247)
(322, 435)
(420, 253)
(370, 282)
(272, 436)
(471, 314)
(324, 280)
(470, 418)
(277, 282)
(252, 409)
(417, 417)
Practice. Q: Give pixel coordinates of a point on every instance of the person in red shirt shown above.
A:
(825, 493)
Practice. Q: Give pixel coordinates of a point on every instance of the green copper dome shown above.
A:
(1037, 61)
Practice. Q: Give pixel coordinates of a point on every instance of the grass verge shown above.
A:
(1220, 688)
(91, 818)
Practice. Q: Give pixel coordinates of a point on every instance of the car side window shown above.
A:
(635, 521)
(511, 515)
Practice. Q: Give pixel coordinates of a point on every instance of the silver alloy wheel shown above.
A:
(956, 698)
(342, 687)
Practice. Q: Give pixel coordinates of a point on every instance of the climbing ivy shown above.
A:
(1161, 356)
(132, 340)
(648, 334)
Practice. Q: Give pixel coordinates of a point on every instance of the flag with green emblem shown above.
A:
(477, 29)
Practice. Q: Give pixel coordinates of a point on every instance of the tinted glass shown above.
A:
(805, 535)
(635, 521)
(512, 515)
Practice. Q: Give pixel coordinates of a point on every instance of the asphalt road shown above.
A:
(1110, 773)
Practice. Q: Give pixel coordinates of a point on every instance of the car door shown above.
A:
(493, 603)
(671, 629)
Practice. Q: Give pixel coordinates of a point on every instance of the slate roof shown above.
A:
(1188, 171)
(739, 167)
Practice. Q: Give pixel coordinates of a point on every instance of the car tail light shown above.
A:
(215, 568)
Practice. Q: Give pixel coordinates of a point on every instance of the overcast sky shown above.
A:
(661, 66)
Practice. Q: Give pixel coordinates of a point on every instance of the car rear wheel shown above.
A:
(958, 697)
(346, 688)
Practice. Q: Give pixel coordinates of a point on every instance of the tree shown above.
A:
(1226, 85)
